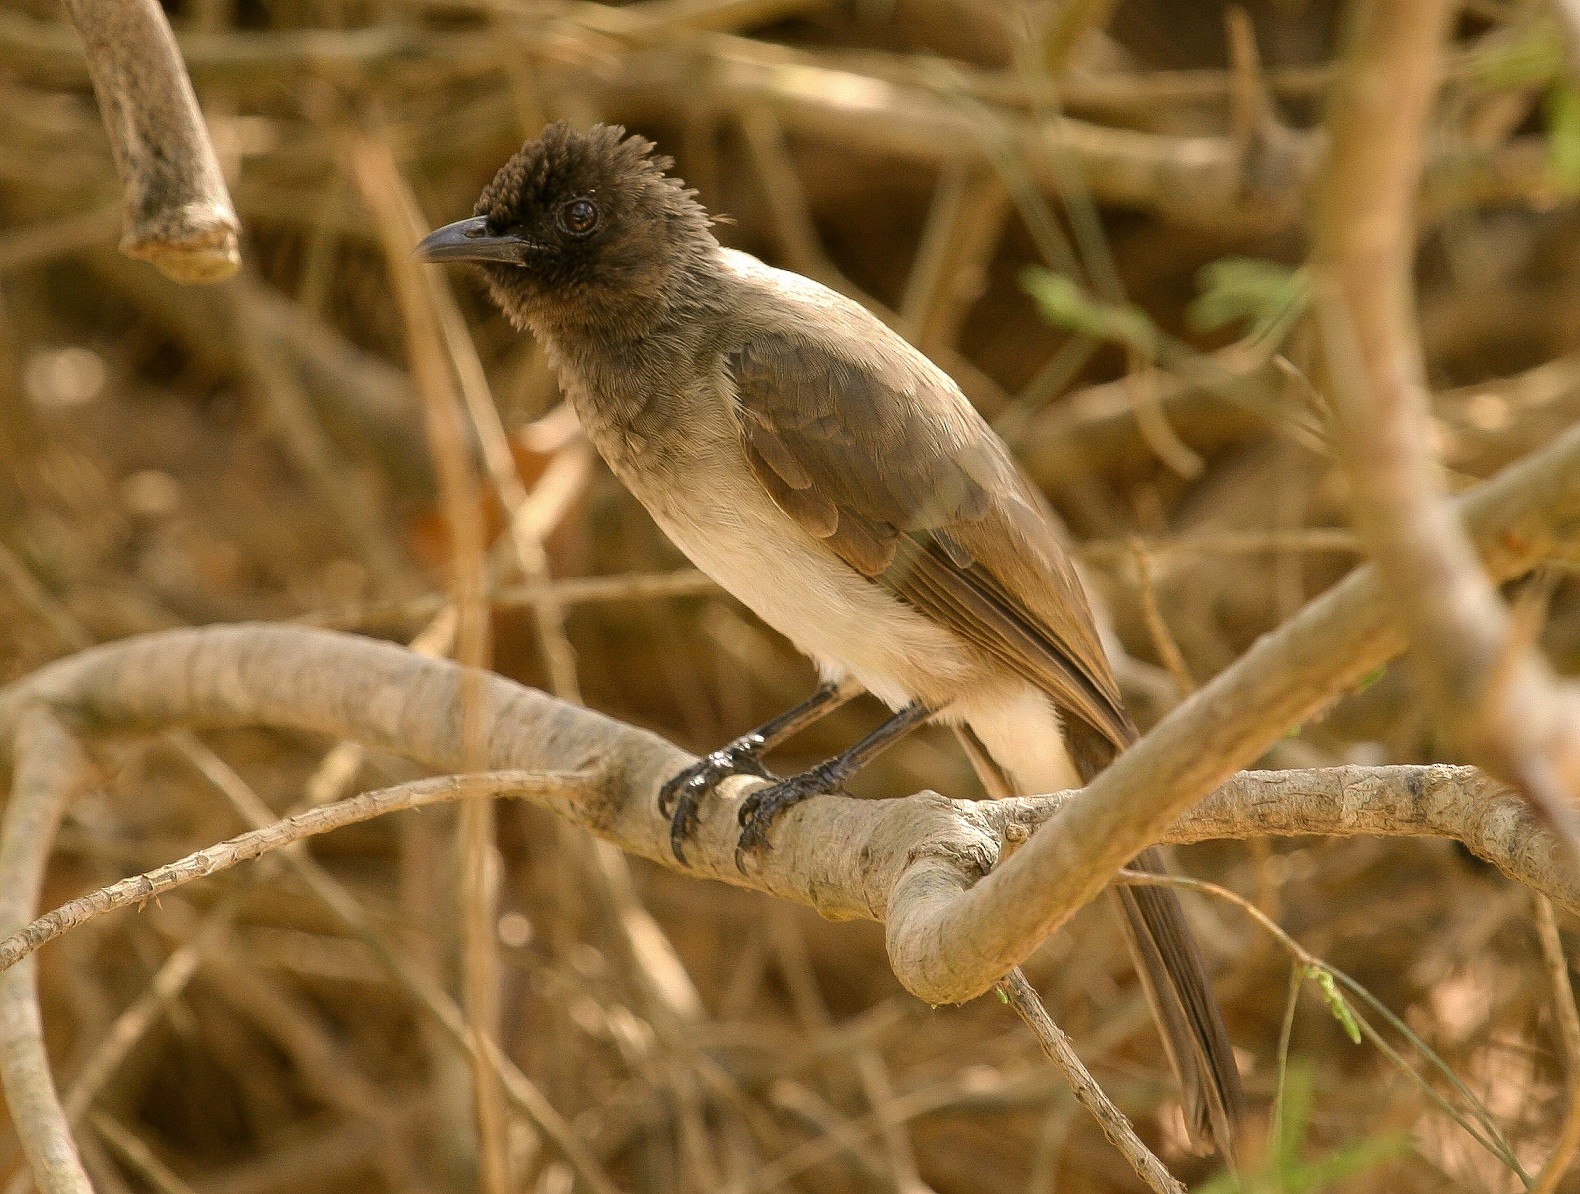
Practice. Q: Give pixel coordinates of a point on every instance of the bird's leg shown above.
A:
(762, 806)
(680, 798)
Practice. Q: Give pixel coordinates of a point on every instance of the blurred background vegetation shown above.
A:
(1090, 212)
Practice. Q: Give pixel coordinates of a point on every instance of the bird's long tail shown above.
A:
(1183, 1004)
(1168, 961)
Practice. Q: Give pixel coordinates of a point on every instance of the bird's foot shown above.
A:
(762, 807)
(681, 798)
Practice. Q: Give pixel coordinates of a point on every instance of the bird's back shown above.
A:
(905, 460)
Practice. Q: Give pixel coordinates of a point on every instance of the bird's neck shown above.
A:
(597, 317)
(633, 377)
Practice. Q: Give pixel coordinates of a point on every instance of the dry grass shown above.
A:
(175, 456)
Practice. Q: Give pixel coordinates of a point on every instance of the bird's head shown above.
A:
(581, 229)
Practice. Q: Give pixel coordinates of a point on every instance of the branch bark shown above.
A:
(949, 944)
(1491, 688)
(255, 843)
(914, 863)
(845, 857)
(50, 769)
(178, 213)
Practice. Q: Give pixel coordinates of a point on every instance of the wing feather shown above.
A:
(879, 456)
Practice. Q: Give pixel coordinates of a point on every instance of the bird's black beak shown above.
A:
(470, 240)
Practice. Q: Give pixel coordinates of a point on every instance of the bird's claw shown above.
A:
(760, 809)
(680, 799)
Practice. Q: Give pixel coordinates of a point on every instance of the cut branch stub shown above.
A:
(178, 213)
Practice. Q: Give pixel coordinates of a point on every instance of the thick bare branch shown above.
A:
(885, 837)
(1491, 688)
(1432, 800)
(947, 945)
(910, 862)
(178, 213)
(1423, 800)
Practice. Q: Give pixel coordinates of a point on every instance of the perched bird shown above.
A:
(839, 484)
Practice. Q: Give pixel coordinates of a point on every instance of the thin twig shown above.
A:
(1557, 967)
(1022, 996)
(137, 1156)
(1484, 1131)
(1286, 1029)
(1162, 641)
(212, 860)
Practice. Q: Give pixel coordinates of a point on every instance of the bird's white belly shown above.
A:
(732, 530)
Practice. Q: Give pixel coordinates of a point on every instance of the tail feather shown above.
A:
(1161, 943)
(1175, 981)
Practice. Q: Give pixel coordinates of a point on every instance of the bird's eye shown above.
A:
(579, 216)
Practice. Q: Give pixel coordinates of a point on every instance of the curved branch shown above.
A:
(50, 768)
(949, 944)
(1423, 800)
(911, 862)
(178, 212)
(1496, 695)
(343, 685)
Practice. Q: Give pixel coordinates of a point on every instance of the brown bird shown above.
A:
(839, 484)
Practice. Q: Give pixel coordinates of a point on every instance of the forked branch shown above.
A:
(964, 899)
(917, 864)
(1488, 685)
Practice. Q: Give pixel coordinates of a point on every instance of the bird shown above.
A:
(837, 482)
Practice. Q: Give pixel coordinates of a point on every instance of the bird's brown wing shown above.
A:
(877, 454)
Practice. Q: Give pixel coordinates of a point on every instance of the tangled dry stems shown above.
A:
(914, 863)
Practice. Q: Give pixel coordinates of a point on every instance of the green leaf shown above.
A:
(1284, 1168)
(1563, 136)
(1350, 1161)
(1337, 1004)
(1371, 677)
(1284, 1150)
(1065, 304)
(1265, 295)
(1535, 58)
